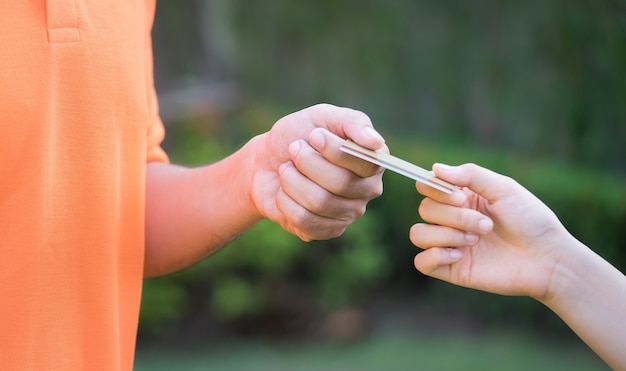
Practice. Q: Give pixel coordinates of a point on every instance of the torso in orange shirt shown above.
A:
(78, 123)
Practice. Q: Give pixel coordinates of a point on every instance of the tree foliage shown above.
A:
(532, 89)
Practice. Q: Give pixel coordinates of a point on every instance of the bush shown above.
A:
(266, 270)
(270, 275)
(591, 204)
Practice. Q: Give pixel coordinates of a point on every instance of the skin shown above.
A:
(494, 235)
(294, 175)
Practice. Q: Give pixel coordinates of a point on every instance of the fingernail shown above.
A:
(370, 132)
(471, 238)
(317, 139)
(455, 254)
(485, 225)
(282, 167)
(294, 148)
(457, 197)
(441, 166)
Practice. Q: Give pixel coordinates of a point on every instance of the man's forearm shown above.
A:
(192, 212)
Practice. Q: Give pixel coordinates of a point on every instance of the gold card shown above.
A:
(397, 165)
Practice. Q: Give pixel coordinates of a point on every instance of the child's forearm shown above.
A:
(589, 294)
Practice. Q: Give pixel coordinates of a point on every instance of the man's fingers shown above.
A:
(317, 199)
(329, 144)
(308, 226)
(347, 124)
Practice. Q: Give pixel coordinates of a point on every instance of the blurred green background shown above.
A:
(532, 89)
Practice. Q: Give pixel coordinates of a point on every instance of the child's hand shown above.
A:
(492, 234)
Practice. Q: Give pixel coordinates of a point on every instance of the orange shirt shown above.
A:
(78, 121)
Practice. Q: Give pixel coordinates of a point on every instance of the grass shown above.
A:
(493, 351)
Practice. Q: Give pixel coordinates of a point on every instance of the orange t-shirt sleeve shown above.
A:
(155, 131)
(155, 135)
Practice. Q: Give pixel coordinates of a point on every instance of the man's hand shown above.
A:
(302, 181)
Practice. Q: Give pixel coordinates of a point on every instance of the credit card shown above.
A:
(397, 165)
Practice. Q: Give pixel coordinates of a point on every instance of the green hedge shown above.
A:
(591, 204)
(268, 273)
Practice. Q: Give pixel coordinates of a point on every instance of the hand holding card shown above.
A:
(397, 165)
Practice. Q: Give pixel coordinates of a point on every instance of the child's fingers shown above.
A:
(488, 184)
(457, 197)
(461, 218)
(433, 261)
(426, 236)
